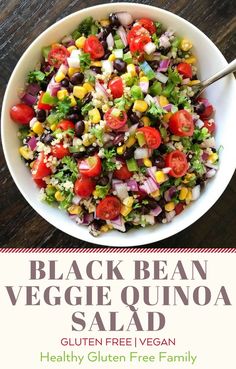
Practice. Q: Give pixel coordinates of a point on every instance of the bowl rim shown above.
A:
(133, 242)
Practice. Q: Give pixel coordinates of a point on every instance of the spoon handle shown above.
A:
(231, 67)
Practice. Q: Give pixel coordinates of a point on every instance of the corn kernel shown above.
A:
(74, 209)
(147, 162)
(125, 210)
(120, 150)
(59, 77)
(141, 74)
(160, 176)
(72, 101)
(25, 152)
(38, 128)
(188, 177)
(94, 115)
(194, 82)
(140, 105)
(53, 127)
(105, 22)
(72, 71)
(79, 92)
(155, 194)
(61, 94)
(191, 60)
(130, 142)
(112, 58)
(104, 228)
(80, 42)
(128, 201)
(88, 87)
(32, 164)
(143, 79)
(87, 127)
(170, 206)
(146, 121)
(86, 142)
(96, 63)
(59, 197)
(166, 117)
(189, 195)
(213, 157)
(131, 69)
(71, 48)
(163, 101)
(185, 45)
(183, 193)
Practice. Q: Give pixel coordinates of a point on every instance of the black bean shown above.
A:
(73, 117)
(162, 203)
(65, 82)
(154, 64)
(78, 155)
(152, 204)
(41, 115)
(114, 20)
(77, 78)
(106, 55)
(70, 87)
(91, 150)
(120, 65)
(87, 99)
(144, 210)
(162, 148)
(79, 128)
(97, 223)
(97, 70)
(159, 162)
(161, 217)
(126, 49)
(103, 181)
(164, 50)
(199, 108)
(104, 44)
(118, 139)
(43, 85)
(134, 118)
(129, 153)
(47, 138)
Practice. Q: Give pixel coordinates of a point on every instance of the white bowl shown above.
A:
(222, 95)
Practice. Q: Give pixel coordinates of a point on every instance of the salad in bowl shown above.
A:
(109, 127)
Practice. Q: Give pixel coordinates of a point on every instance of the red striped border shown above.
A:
(117, 250)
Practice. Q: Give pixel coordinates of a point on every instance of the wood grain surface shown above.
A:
(20, 23)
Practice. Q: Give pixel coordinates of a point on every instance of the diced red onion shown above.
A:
(121, 190)
(210, 165)
(63, 69)
(122, 33)
(118, 223)
(168, 107)
(151, 172)
(205, 102)
(155, 212)
(149, 186)
(209, 142)
(164, 64)
(110, 41)
(87, 219)
(196, 192)
(210, 173)
(125, 18)
(164, 41)
(53, 87)
(84, 165)
(107, 138)
(166, 170)
(185, 81)
(66, 39)
(170, 215)
(156, 56)
(33, 89)
(125, 128)
(205, 156)
(101, 89)
(144, 86)
(107, 66)
(169, 193)
(33, 120)
(29, 99)
(141, 153)
(73, 62)
(115, 182)
(133, 129)
(32, 143)
(76, 200)
(199, 123)
(161, 77)
(149, 99)
(150, 219)
(132, 184)
(149, 48)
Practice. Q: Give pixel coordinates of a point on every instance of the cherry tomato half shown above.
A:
(152, 137)
(90, 167)
(64, 125)
(176, 160)
(59, 151)
(122, 173)
(94, 47)
(185, 69)
(210, 125)
(115, 118)
(207, 111)
(179, 208)
(40, 169)
(40, 183)
(21, 113)
(108, 208)
(84, 187)
(116, 87)
(58, 55)
(137, 38)
(148, 24)
(181, 123)
(41, 105)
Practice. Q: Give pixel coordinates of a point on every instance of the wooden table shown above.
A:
(20, 23)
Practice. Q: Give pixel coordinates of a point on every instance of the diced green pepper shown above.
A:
(136, 92)
(74, 149)
(176, 42)
(119, 44)
(156, 89)
(52, 119)
(132, 165)
(141, 138)
(48, 99)
(45, 51)
(168, 89)
(94, 29)
(128, 58)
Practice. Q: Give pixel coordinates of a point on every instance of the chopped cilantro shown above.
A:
(23, 132)
(63, 108)
(67, 201)
(122, 103)
(102, 191)
(69, 170)
(155, 110)
(109, 162)
(36, 76)
(201, 134)
(174, 76)
(198, 166)
(85, 26)
(85, 60)
(98, 133)
(85, 109)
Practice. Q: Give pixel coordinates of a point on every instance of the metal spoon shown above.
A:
(200, 87)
